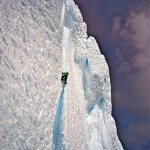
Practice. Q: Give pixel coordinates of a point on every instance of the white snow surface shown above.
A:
(38, 40)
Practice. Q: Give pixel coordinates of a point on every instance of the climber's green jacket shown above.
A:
(64, 77)
(65, 73)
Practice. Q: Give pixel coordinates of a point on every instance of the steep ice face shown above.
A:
(88, 93)
(30, 70)
(39, 40)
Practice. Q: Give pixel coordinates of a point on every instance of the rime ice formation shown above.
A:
(40, 39)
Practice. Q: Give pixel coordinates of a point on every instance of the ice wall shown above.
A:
(30, 70)
(87, 119)
(39, 39)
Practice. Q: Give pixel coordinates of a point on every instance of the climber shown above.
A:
(64, 77)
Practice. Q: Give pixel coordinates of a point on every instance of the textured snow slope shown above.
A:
(39, 39)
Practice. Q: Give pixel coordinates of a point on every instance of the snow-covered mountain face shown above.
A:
(40, 39)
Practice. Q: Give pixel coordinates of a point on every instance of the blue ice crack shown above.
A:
(57, 131)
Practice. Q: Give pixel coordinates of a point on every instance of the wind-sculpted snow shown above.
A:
(40, 39)
(30, 69)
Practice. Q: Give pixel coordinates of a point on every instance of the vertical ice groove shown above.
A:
(65, 48)
(66, 31)
(57, 130)
(63, 13)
